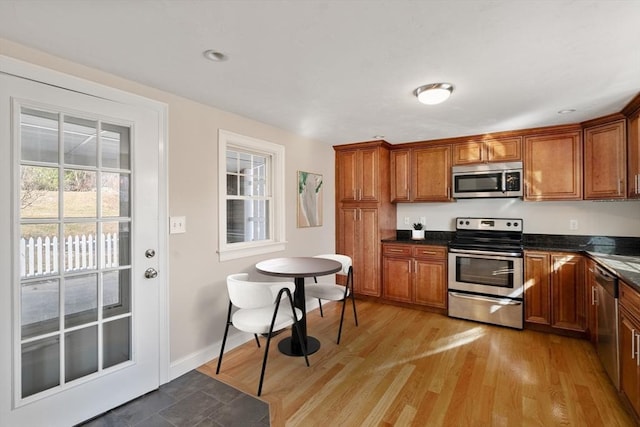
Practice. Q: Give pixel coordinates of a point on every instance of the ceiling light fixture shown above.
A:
(434, 93)
(213, 55)
(567, 111)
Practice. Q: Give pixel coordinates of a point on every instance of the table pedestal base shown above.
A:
(285, 346)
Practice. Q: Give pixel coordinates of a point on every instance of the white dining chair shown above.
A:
(333, 291)
(262, 308)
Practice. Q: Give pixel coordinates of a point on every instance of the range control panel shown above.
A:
(491, 224)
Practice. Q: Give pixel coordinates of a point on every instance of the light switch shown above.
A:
(177, 224)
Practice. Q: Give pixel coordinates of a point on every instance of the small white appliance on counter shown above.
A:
(486, 271)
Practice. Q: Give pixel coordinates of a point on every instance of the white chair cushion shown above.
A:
(331, 292)
(258, 320)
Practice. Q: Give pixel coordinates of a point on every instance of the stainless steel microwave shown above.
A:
(487, 180)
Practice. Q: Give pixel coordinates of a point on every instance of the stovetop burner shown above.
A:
(488, 234)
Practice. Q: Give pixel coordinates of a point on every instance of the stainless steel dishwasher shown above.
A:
(606, 299)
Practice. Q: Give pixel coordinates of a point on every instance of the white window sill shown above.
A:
(247, 251)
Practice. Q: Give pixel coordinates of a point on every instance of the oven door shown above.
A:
(486, 273)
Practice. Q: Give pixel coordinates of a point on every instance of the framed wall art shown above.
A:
(310, 206)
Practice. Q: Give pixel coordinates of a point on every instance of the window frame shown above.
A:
(275, 176)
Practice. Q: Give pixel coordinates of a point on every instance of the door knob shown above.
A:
(150, 253)
(150, 273)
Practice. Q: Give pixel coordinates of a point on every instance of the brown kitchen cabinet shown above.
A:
(605, 160)
(508, 149)
(555, 291)
(633, 156)
(553, 166)
(415, 274)
(364, 212)
(629, 345)
(421, 174)
(358, 174)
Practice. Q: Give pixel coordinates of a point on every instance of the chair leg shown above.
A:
(264, 362)
(257, 340)
(224, 338)
(302, 344)
(353, 302)
(320, 304)
(344, 302)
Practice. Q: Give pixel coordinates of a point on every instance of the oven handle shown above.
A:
(502, 301)
(487, 253)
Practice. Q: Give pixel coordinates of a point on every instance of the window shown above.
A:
(251, 189)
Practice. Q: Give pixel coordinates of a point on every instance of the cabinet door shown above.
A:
(633, 161)
(468, 152)
(430, 283)
(605, 159)
(568, 292)
(346, 174)
(369, 252)
(504, 149)
(537, 293)
(369, 174)
(431, 174)
(553, 167)
(592, 308)
(400, 175)
(397, 279)
(629, 371)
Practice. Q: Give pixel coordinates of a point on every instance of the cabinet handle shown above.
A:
(637, 349)
(633, 344)
(428, 253)
(395, 250)
(593, 296)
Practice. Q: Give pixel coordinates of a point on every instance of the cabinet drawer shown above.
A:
(433, 252)
(630, 299)
(396, 250)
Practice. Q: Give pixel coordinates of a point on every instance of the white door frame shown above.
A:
(41, 74)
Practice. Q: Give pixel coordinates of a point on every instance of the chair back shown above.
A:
(342, 259)
(246, 294)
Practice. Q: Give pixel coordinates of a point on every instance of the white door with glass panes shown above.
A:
(79, 291)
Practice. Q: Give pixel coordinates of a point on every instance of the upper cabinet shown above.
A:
(553, 166)
(359, 175)
(633, 153)
(421, 174)
(605, 160)
(508, 149)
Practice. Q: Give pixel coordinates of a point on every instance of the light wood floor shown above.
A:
(404, 367)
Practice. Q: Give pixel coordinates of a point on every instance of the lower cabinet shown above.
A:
(415, 274)
(555, 294)
(629, 350)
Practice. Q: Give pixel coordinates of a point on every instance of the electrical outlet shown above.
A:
(573, 224)
(177, 224)
(407, 220)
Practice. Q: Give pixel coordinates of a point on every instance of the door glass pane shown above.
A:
(38, 192)
(116, 299)
(38, 136)
(114, 141)
(115, 194)
(485, 271)
(74, 247)
(80, 193)
(117, 338)
(80, 141)
(40, 301)
(80, 300)
(40, 365)
(80, 251)
(39, 250)
(81, 353)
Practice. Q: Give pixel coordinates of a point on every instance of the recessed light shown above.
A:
(378, 136)
(434, 93)
(567, 111)
(214, 55)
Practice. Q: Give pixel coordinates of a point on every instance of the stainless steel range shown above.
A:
(486, 271)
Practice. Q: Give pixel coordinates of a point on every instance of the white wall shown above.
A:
(594, 218)
(197, 290)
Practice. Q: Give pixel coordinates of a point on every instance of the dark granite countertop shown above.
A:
(621, 255)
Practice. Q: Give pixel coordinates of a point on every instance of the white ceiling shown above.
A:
(344, 71)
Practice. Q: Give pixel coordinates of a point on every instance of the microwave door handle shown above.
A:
(504, 182)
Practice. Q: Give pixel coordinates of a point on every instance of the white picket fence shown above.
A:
(41, 255)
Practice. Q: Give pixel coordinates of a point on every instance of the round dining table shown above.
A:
(298, 268)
